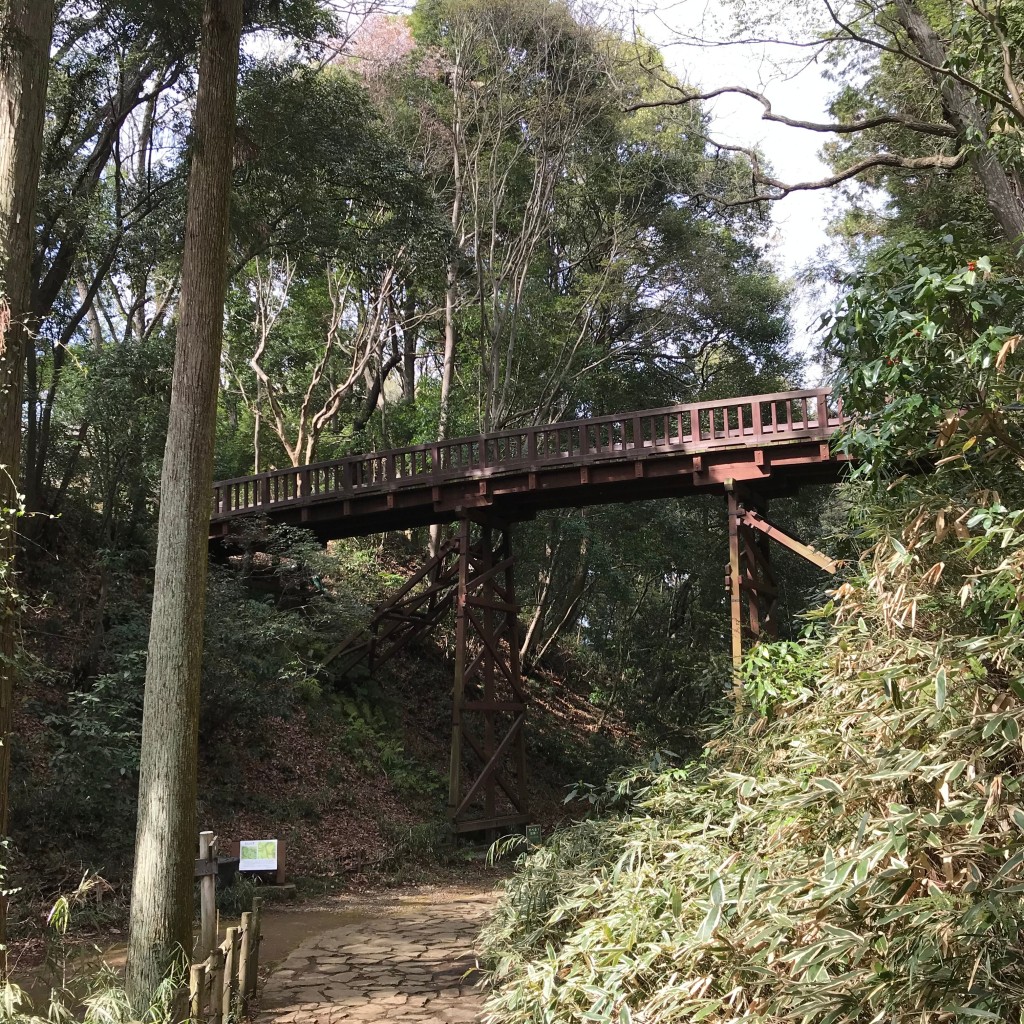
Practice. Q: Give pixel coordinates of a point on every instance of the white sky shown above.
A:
(800, 218)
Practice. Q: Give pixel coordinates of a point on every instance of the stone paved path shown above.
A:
(408, 960)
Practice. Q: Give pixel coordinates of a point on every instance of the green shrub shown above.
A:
(852, 851)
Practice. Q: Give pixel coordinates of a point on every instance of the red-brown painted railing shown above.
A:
(690, 429)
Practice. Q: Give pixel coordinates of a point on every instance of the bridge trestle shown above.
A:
(487, 779)
(750, 580)
(474, 572)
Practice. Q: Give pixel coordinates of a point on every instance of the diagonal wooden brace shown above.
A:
(757, 522)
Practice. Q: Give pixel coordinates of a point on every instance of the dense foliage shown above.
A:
(466, 188)
(852, 849)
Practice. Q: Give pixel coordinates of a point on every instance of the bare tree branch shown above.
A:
(934, 161)
(836, 127)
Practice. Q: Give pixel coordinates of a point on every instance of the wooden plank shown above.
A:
(230, 989)
(757, 522)
(484, 824)
(215, 976)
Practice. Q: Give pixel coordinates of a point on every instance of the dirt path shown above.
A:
(410, 958)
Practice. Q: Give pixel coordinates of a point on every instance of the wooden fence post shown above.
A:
(208, 895)
(215, 973)
(230, 970)
(196, 991)
(254, 944)
(243, 961)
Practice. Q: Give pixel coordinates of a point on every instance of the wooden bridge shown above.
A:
(748, 449)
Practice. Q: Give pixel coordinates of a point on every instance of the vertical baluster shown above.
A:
(821, 409)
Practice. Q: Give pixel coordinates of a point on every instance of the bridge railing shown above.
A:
(693, 428)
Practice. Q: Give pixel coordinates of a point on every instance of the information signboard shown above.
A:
(257, 855)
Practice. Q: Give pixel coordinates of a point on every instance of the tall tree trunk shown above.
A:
(963, 111)
(160, 929)
(409, 344)
(26, 31)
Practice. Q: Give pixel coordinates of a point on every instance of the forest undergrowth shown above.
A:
(850, 846)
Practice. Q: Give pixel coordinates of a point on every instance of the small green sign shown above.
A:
(533, 835)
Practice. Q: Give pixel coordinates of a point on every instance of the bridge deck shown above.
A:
(780, 441)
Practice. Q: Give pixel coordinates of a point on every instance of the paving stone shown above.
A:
(399, 967)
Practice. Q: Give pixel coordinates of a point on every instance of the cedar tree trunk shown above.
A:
(160, 928)
(26, 32)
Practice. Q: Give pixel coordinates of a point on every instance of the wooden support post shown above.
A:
(515, 667)
(750, 576)
(254, 945)
(488, 666)
(196, 992)
(243, 962)
(230, 996)
(207, 896)
(735, 595)
(458, 692)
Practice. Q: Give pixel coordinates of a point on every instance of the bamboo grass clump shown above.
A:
(852, 852)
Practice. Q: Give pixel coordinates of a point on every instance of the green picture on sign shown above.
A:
(257, 855)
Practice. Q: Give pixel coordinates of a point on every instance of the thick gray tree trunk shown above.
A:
(160, 930)
(964, 112)
(26, 31)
